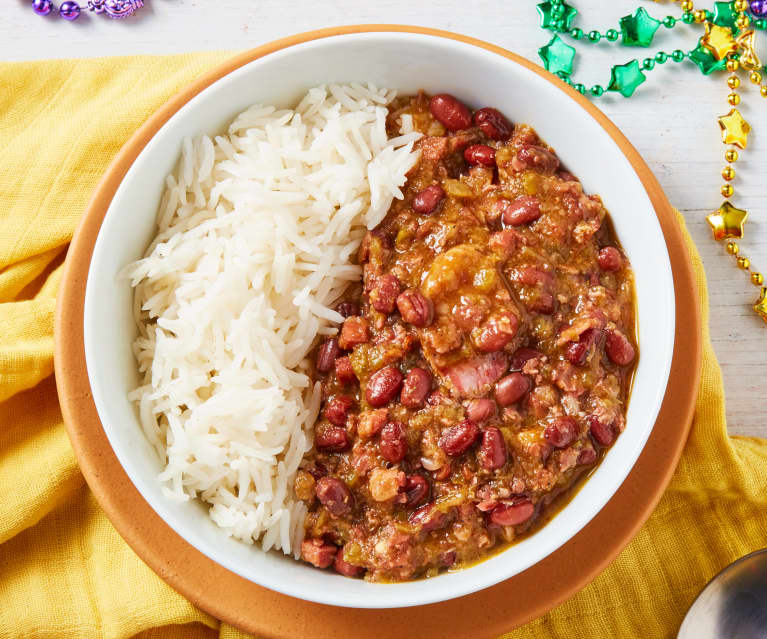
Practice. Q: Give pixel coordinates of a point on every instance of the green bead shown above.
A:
(595, 36)
(548, 20)
(612, 35)
(596, 90)
(709, 15)
(558, 11)
(626, 78)
(648, 64)
(724, 15)
(678, 55)
(706, 62)
(579, 88)
(576, 33)
(557, 56)
(688, 18)
(661, 57)
(760, 23)
(638, 30)
(669, 22)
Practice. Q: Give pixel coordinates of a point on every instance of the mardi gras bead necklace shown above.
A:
(70, 10)
(728, 43)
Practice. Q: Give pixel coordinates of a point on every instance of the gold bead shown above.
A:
(732, 65)
(757, 279)
(741, 5)
(734, 82)
(733, 99)
(732, 248)
(763, 91)
(700, 16)
(743, 262)
(728, 173)
(727, 190)
(731, 155)
(686, 5)
(743, 21)
(755, 77)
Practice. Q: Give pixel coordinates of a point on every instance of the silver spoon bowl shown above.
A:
(733, 604)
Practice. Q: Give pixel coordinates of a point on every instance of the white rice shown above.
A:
(255, 232)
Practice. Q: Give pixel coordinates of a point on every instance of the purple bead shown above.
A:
(759, 7)
(69, 10)
(42, 7)
(122, 8)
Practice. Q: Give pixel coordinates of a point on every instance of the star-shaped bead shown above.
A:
(639, 30)
(735, 129)
(718, 40)
(727, 222)
(625, 78)
(761, 305)
(725, 15)
(706, 62)
(549, 17)
(557, 56)
(746, 42)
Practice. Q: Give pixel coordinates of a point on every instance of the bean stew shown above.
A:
(484, 363)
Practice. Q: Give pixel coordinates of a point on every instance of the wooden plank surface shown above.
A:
(671, 120)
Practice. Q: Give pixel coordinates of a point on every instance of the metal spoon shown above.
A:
(733, 604)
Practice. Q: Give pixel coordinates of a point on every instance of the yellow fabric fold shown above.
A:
(64, 571)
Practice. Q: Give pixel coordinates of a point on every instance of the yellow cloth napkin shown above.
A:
(65, 572)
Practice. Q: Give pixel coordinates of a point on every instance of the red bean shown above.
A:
(523, 210)
(327, 354)
(603, 434)
(512, 388)
(450, 111)
(512, 514)
(459, 438)
(447, 558)
(577, 352)
(383, 386)
(427, 200)
(480, 154)
(492, 451)
(522, 356)
(347, 309)
(562, 432)
(587, 456)
(480, 410)
(416, 489)
(337, 409)
(333, 439)
(344, 371)
(318, 553)
(619, 349)
(497, 332)
(334, 495)
(415, 388)
(393, 444)
(493, 124)
(415, 308)
(346, 569)
(428, 517)
(535, 157)
(383, 297)
(610, 259)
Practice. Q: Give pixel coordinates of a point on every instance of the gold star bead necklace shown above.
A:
(728, 222)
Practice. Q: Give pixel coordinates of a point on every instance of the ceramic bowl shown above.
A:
(407, 62)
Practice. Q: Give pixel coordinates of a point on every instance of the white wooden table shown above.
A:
(671, 121)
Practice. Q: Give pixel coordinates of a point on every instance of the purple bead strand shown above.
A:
(759, 8)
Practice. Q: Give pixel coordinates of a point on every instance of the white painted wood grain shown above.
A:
(672, 122)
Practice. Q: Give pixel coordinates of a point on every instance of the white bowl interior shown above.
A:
(407, 62)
